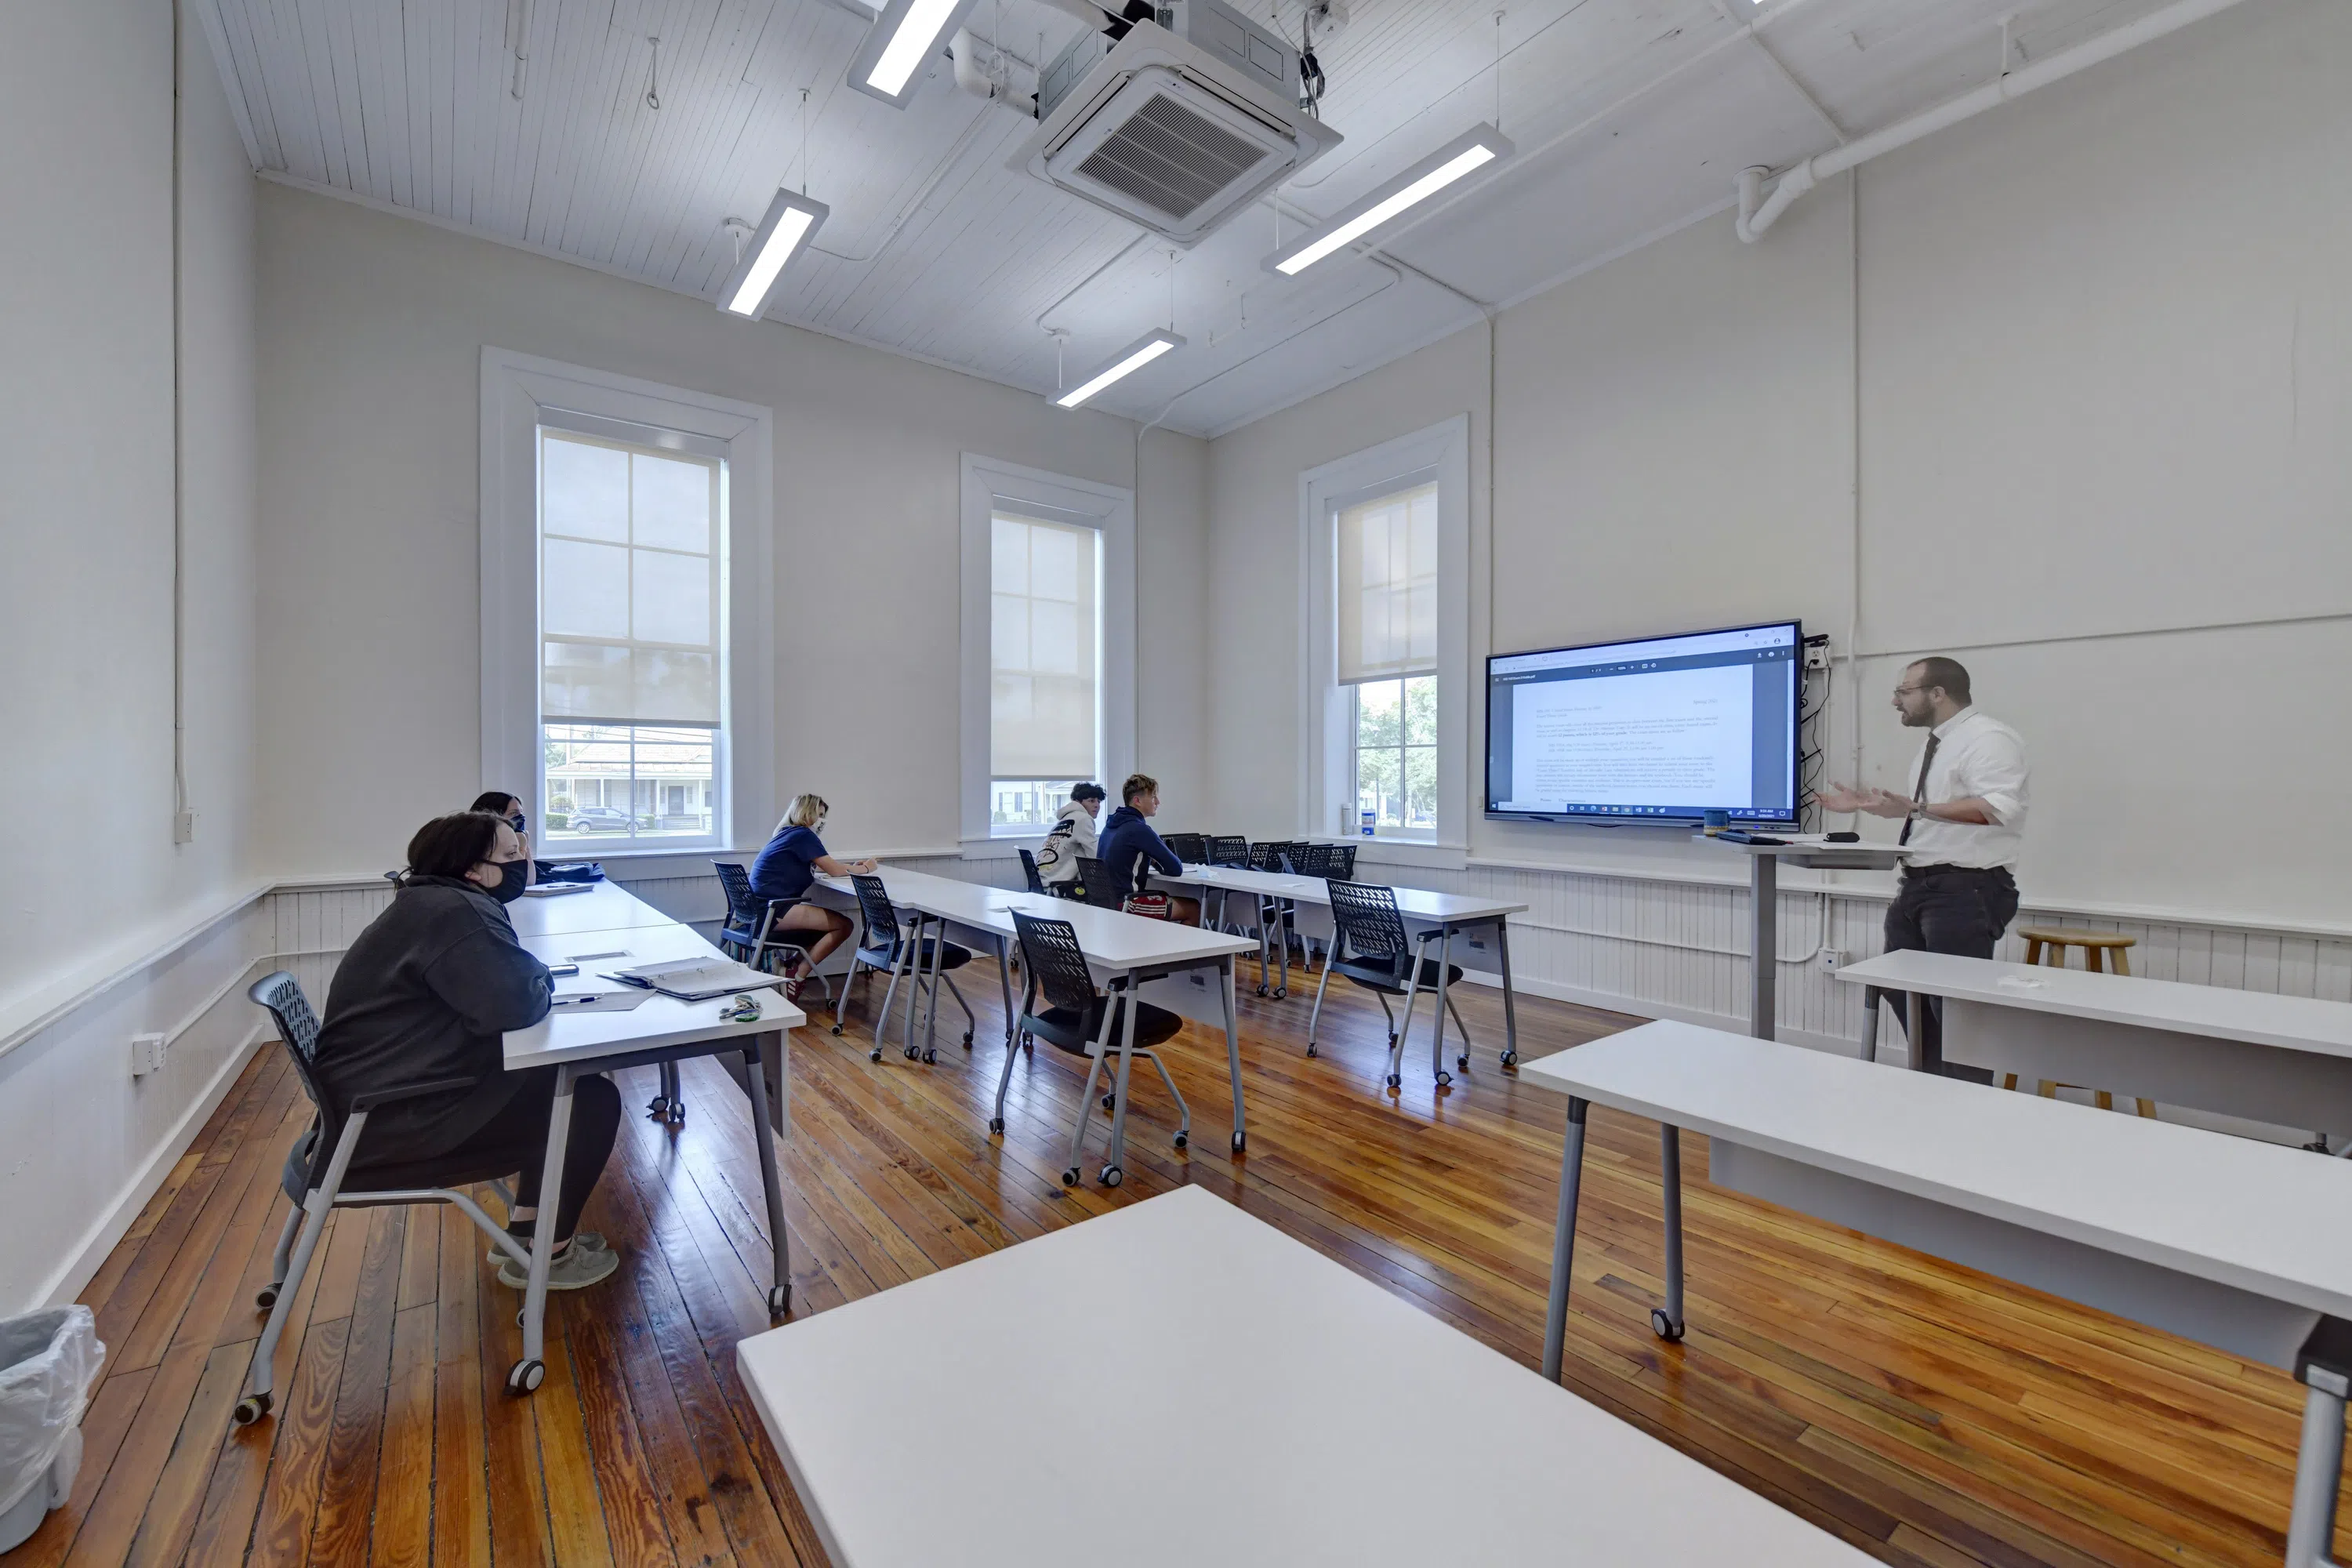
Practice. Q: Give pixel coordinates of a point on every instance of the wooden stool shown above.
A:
(2093, 944)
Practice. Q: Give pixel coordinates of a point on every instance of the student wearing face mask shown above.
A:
(793, 859)
(508, 809)
(424, 994)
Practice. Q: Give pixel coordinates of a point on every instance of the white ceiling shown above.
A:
(1631, 117)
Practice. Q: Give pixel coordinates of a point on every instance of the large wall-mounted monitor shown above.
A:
(1659, 730)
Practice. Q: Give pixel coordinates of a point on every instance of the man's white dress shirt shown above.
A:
(1978, 756)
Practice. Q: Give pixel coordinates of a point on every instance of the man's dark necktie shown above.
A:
(1919, 796)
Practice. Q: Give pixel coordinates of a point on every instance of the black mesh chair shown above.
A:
(1370, 949)
(1098, 887)
(1339, 862)
(1029, 869)
(1233, 852)
(886, 946)
(1192, 848)
(1079, 1019)
(1309, 859)
(327, 1169)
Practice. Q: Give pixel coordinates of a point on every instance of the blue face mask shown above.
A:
(519, 822)
(514, 876)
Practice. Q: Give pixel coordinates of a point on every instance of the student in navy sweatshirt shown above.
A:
(1129, 849)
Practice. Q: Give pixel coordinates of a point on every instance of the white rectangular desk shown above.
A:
(1437, 916)
(2225, 1239)
(1127, 951)
(1764, 906)
(603, 907)
(2286, 1060)
(1135, 1388)
(661, 1029)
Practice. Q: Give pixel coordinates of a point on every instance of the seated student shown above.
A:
(1071, 837)
(424, 992)
(508, 809)
(784, 869)
(1129, 848)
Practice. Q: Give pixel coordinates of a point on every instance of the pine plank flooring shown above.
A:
(1927, 1413)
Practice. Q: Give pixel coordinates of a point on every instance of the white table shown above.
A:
(1811, 852)
(2225, 1239)
(2286, 1060)
(603, 907)
(1438, 917)
(1135, 1388)
(1126, 952)
(660, 1029)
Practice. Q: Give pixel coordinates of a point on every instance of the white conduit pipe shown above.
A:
(1756, 216)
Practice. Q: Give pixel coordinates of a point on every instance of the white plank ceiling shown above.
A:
(1630, 116)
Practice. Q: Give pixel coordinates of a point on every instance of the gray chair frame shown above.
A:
(1368, 937)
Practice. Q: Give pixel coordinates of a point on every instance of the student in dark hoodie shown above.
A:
(424, 992)
(1129, 849)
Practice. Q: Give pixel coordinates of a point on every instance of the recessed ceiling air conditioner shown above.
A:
(1176, 126)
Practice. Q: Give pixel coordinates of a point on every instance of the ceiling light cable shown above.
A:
(653, 77)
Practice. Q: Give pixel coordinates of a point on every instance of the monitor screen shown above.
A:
(1662, 730)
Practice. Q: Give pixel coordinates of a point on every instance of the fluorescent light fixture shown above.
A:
(1120, 365)
(906, 34)
(792, 219)
(1471, 150)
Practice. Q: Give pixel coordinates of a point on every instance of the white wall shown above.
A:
(90, 881)
(370, 355)
(2105, 396)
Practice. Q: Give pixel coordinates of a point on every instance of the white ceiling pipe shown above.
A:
(1755, 218)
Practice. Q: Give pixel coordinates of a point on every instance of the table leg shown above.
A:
(1005, 986)
(755, 1050)
(1927, 1033)
(2318, 1468)
(1510, 1012)
(1233, 1051)
(1870, 999)
(1437, 1034)
(1111, 1170)
(1282, 938)
(931, 1016)
(542, 1239)
(1563, 1241)
(1763, 944)
(1397, 1047)
(1668, 1324)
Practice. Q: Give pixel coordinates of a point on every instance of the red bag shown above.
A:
(1153, 905)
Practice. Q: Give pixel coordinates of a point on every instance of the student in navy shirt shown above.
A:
(792, 861)
(1129, 849)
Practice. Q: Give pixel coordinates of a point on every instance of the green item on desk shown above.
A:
(743, 1010)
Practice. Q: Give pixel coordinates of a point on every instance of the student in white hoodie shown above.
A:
(1071, 836)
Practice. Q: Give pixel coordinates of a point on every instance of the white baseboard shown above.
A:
(77, 1271)
(1735, 1024)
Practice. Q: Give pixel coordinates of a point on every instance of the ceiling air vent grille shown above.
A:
(1170, 158)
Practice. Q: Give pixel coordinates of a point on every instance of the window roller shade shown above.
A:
(1043, 648)
(1387, 585)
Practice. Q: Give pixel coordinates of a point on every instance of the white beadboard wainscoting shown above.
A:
(83, 1145)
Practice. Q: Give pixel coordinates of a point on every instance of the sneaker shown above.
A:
(577, 1268)
(587, 1238)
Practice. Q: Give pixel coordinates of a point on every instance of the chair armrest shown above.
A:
(411, 1091)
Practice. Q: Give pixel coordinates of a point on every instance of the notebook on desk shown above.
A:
(695, 979)
(554, 889)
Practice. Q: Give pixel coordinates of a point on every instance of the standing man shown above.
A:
(1963, 820)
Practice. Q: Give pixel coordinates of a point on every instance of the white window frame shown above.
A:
(1327, 776)
(990, 484)
(519, 392)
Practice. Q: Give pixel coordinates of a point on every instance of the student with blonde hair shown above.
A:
(792, 860)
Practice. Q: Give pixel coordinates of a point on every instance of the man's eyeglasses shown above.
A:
(1912, 691)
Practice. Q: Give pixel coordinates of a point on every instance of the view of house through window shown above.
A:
(1387, 625)
(631, 575)
(1046, 653)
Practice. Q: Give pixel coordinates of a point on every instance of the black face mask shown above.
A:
(513, 877)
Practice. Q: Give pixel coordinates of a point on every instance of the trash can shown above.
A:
(47, 1362)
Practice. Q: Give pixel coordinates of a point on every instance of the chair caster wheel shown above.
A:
(1665, 1327)
(1112, 1176)
(967, 1039)
(1182, 1139)
(1280, 991)
(836, 1028)
(1444, 1079)
(1240, 1142)
(780, 1300)
(930, 1057)
(913, 1053)
(1463, 1061)
(525, 1376)
(250, 1409)
(1261, 991)
(1510, 1058)
(1110, 1103)
(1310, 1047)
(874, 1054)
(1070, 1177)
(658, 1107)
(266, 1298)
(996, 1125)
(1395, 1082)
(1029, 1044)
(677, 1111)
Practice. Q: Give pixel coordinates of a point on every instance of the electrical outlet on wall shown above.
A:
(1817, 652)
(184, 827)
(1833, 958)
(146, 1054)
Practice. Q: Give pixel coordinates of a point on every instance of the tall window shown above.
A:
(1044, 665)
(632, 565)
(1387, 655)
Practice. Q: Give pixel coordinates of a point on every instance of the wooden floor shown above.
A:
(1927, 1413)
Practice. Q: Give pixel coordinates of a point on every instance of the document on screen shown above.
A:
(1669, 736)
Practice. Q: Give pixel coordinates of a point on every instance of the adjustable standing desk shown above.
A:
(1128, 951)
(1135, 1387)
(2238, 1243)
(1764, 905)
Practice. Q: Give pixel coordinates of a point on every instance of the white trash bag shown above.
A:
(47, 1362)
